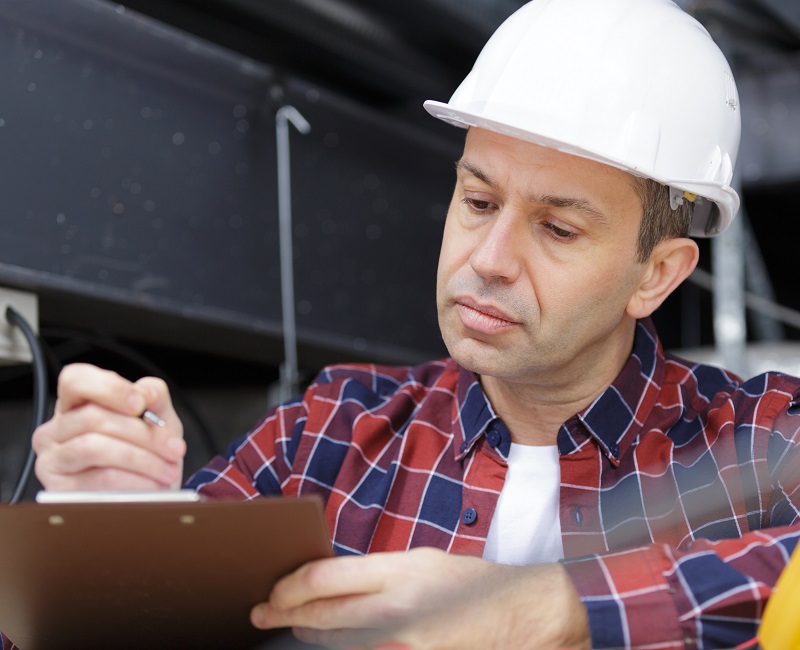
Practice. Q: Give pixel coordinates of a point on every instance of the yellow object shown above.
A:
(780, 626)
(690, 196)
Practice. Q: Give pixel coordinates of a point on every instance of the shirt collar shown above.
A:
(472, 412)
(613, 420)
(616, 417)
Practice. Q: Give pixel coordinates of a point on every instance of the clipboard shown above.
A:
(154, 575)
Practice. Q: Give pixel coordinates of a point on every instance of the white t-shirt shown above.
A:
(526, 528)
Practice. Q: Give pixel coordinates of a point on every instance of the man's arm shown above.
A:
(426, 598)
(712, 595)
(259, 463)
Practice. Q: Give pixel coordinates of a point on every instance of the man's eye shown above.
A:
(560, 233)
(477, 204)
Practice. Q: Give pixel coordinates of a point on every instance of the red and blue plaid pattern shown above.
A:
(679, 484)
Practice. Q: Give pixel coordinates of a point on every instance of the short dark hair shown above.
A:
(659, 220)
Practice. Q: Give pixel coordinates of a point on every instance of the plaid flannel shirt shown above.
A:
(679, 498)
(679, 495)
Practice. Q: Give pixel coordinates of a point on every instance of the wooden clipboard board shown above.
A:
(149, 575)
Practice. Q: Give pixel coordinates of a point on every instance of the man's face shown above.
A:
(538, 262)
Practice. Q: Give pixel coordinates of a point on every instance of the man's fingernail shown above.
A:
(257, 617)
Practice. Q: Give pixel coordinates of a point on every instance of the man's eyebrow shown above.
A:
(466, 166)
(581, 205)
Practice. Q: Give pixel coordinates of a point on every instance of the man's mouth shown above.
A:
(481, 317)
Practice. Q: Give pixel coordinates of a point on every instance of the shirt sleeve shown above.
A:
(259, 463)
(711, 595)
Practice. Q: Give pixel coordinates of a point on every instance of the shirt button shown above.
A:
(578, 515)
(469, 516)
(493, 438)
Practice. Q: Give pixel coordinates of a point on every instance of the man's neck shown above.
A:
(530, 420)
(534, 410)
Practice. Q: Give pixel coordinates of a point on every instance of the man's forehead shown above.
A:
(487, 151)
(545, 176)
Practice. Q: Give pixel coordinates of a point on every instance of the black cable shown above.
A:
(39, 394)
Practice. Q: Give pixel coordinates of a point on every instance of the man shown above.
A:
(601, 133)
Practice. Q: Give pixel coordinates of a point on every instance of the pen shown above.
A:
(152, 418)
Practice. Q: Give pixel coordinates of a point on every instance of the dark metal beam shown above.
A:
(787, 11)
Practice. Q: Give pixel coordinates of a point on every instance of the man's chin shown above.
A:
(480, 358)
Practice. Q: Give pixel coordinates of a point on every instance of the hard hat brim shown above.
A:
(711, 217)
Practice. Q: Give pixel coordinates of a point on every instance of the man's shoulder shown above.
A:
(761, 399)
(771, 381)
(710, 378)
(387, 380)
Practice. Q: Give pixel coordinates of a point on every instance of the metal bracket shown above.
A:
(289, 376)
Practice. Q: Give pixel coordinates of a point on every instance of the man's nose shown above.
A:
(496, 255)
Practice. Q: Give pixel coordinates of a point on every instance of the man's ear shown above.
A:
(670, 263)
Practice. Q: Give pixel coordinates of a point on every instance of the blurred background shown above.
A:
(140, 159)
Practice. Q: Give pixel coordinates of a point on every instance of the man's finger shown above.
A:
(158, 400)
(95, 451)
(329, 578)
(332, 613)
(91, 418)
(81, 383)
(102, 479)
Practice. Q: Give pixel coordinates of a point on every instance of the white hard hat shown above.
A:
(636, 84)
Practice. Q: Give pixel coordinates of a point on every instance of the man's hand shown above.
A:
(96, 439)
(426, 598)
